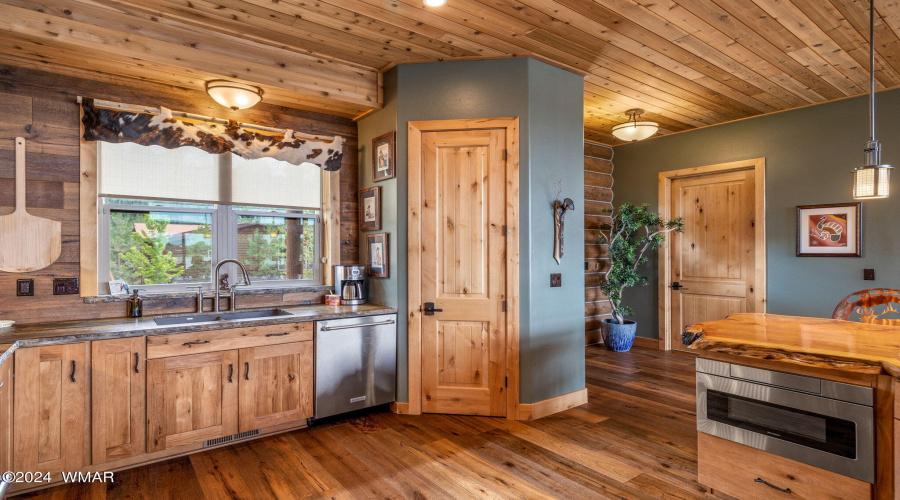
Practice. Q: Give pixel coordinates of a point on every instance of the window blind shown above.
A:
(129, 170)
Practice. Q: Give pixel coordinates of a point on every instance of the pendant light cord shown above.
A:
(872, 70)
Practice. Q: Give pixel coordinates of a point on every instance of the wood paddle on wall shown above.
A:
(27, 243)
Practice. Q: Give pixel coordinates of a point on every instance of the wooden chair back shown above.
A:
(877, 306)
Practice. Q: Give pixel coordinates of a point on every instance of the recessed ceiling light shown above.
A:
(434, 3)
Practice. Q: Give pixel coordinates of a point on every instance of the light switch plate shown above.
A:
(869, 274)
(25, 288)
(65, 286)
(555, 280)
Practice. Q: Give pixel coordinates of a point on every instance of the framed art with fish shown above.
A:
(829, 230)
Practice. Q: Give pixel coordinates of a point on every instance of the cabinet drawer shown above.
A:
(179, 344)
(739, 470)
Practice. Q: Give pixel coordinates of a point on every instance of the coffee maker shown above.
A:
(351, 283)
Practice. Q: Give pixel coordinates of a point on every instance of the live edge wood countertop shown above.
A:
(63, 332)
(811, 342)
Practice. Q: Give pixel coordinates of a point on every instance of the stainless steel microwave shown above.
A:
(825, 424)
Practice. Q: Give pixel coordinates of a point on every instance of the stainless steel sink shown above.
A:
(221, 316)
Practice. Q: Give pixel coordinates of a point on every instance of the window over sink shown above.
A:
(166, 216)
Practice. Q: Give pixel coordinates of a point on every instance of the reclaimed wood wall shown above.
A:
(598, 196)
(41, 107)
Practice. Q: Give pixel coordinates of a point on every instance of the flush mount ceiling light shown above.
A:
(434, 3)
(874, 179)
(234, 95)
(634, 129)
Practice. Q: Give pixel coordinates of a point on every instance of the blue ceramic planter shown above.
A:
(618, 337)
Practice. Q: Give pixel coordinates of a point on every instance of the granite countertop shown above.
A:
(813, 342)
(63, 332)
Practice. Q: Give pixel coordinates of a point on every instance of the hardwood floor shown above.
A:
(636, 438)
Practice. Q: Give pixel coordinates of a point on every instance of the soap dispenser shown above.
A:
(135, 305)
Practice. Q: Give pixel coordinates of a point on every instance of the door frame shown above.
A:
(414, 245)
(758, 165)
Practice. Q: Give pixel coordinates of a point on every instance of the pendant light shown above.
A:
(874, 179)
(234, 95)
(634, 129)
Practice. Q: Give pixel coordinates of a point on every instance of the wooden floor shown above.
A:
(636, 438)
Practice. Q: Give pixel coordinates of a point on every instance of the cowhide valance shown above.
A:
(113, 125)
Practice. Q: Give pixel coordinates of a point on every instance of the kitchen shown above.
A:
(279, 249)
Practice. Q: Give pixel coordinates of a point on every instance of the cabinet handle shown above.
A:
(137, 358)
(277, 334)
(761, 480)
(230, 372)
(188, 344)
(73, 371)
(247, 371)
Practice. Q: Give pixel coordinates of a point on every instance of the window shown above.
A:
(166, 217)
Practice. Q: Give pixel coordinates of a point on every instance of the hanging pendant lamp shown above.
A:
(874, 179)
(634, 129)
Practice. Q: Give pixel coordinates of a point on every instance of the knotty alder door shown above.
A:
(276, 385)
(713, 262)
(118, 395)
(463, 252)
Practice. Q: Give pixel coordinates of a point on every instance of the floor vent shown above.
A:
(228, 439)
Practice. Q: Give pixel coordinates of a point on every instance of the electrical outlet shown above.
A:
(25, 288)
(555, 280)
(869, 274)
(65, 286)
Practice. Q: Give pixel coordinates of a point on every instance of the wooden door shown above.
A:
(191, 399)
(7, 415)
(118, 391)
(714, 259)
(276, 385)
(463, 266)
(52, 426)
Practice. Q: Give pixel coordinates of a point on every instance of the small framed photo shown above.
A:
(829, 230)
(383, 157)
(370, 209)
(118, 287)
(378, 250)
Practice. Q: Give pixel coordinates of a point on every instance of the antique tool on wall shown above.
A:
(559, 213)
(27, 243)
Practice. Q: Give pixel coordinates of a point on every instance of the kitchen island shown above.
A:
(778, 393)
(102, 395)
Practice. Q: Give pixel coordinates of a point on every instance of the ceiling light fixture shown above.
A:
(434, 3)
(634, 129)
(874, 179)
(234, 95)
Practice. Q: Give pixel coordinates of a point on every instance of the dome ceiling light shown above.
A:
(234, 95)
(634, 129)
(434, 3)
(873, 180)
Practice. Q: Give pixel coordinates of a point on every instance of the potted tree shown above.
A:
(634, 232)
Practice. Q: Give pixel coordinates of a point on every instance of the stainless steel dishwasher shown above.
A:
(356, 363)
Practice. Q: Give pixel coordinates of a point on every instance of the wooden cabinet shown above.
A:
(276, 385)
(6, 413)
(751, 474)
(191, 399)
(52, 408)
(118, 393)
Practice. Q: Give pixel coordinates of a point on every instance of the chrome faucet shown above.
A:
(231, 289)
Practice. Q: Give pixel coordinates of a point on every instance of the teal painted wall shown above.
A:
(809, 154)
(548, 102)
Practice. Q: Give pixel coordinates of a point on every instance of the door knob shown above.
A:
(676, 286)
(429, 309)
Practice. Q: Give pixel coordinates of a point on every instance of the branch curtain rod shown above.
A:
(134, 108)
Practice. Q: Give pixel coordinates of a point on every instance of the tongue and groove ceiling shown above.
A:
(688, 63)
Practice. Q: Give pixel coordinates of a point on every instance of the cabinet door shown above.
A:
(52, 408)
(276, 385)
(117, 394)
(6, 413)
(191, 399)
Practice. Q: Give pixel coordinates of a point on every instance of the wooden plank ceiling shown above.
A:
(689, 63)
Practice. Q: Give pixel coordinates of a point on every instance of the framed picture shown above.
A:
(383, 157)
(370, 209)
(829, 230)
(378, 250)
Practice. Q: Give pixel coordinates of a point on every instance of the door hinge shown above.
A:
(505, 229)
(504, 306)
